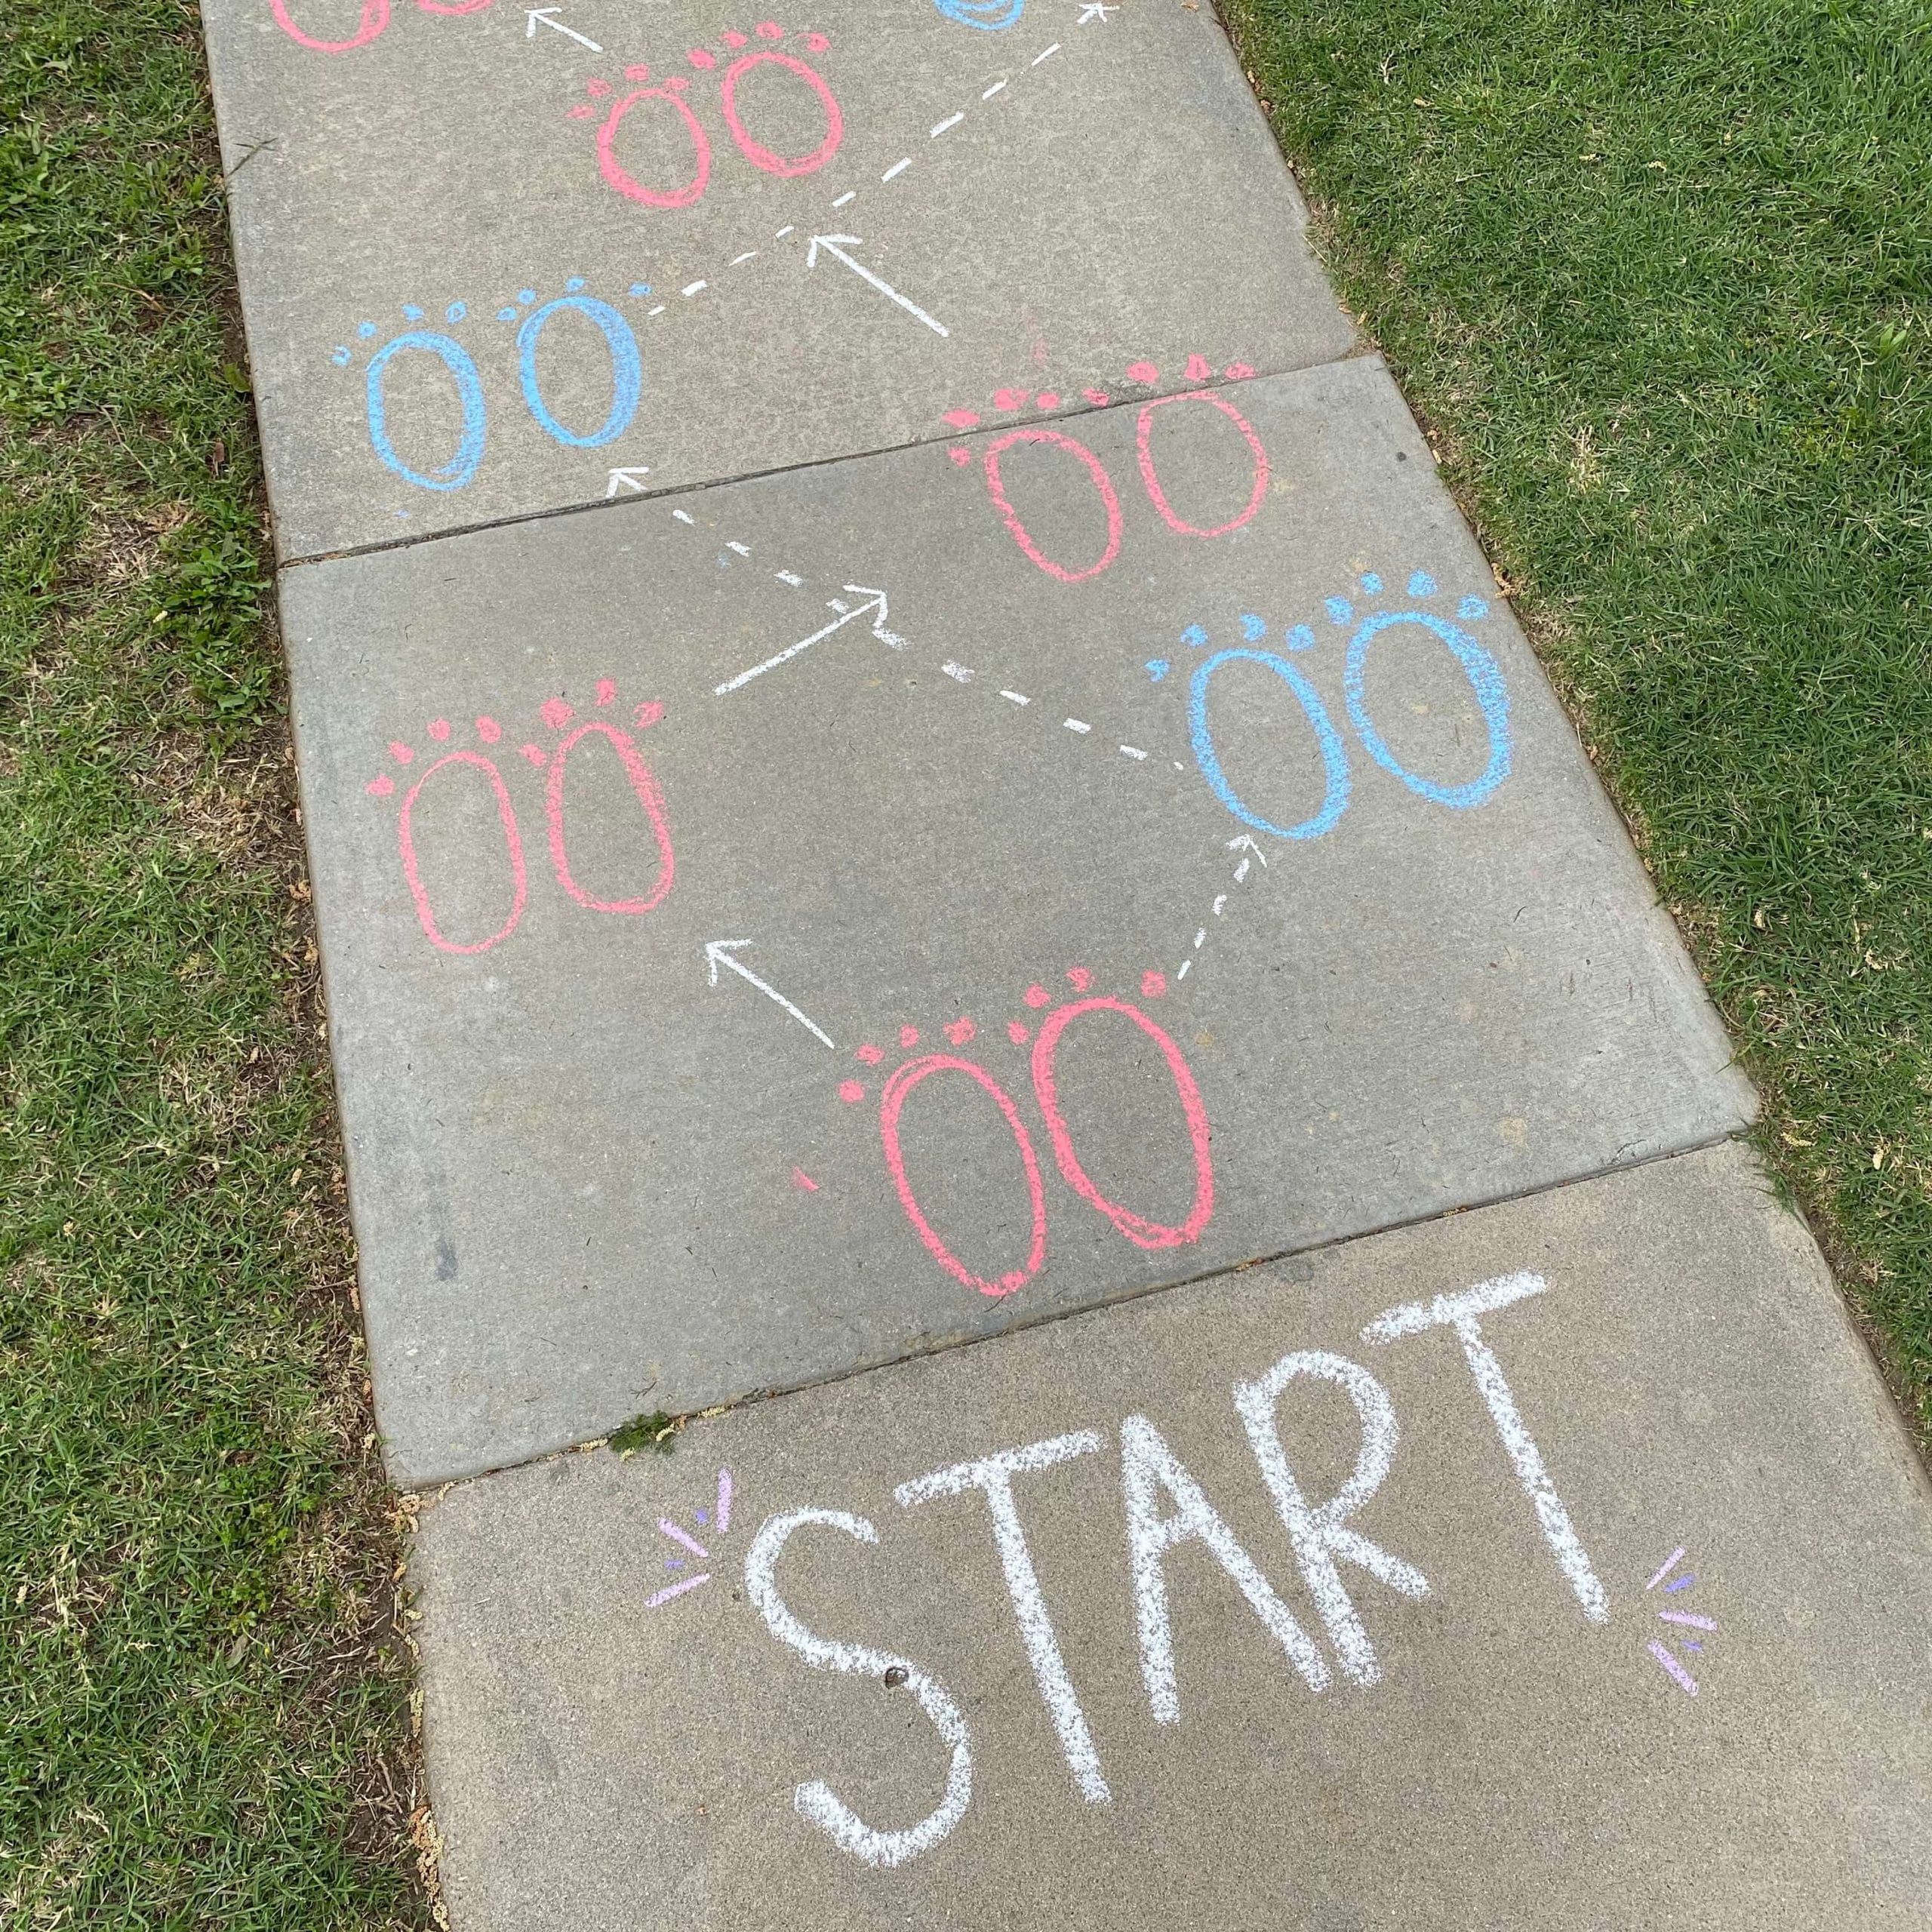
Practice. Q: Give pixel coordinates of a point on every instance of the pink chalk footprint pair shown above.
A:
(556, 714)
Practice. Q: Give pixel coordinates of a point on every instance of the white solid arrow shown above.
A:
(548, 15)
(721, 952)
(829, 243)
(627, 479)
(879, 631)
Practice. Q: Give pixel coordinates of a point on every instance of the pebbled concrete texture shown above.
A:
(596, 1170)
(603, 1755)
(411, 203)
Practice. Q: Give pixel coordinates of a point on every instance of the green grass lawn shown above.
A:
(203, 1700)
(1657, 275)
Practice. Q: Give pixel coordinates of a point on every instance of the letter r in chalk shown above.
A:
(1460, 1312)
(1319, 1534)
(994, 1474)
(817, 1800)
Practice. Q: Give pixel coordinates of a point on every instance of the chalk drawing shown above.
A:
(994, 15)
(992, 1476)
(1462, 1313)
(723, 953)
(829, 244)
(1319, 1534)
(1093, 14)
(1045, 1046)
(715, 1521)
(627, 369)
(375, 18)
(670, 89)
(1103, 483)
(1680, 1620)
(1484, 675)
(1014, 401)
(471, 442)
(1148, 1466)
(817, 1802)
(556, 713)
(534, 18)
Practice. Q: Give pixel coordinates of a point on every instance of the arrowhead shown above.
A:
(1244, 843)
(829, 242)
(717, 952)
(627, 479)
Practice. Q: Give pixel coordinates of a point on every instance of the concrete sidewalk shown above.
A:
(899, 740)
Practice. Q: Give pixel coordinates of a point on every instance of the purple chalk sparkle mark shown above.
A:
(674, 1562)
(1682, 1583)
(1690, 1643)
(701, 1515)
(724, 1501)
(1685, 1616)
(677, 1535)
(1685, 1682)
(1671, 1562)
(678, 1589)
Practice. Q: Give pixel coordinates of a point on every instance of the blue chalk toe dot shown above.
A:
(526, 295)
(339, 357)
(506, 314)
(573, 284)
(1194, 636)
(1338, 609)
(456, 312)
(1301, 639)
(1371, 584)
(1253, 629)
(365, 330)
(640, 288)
(1422, 585)
(1158, 667)
(1472, 607)
(411, 313)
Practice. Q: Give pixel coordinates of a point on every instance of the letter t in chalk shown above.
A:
(1459, 1313)
(994, 1475)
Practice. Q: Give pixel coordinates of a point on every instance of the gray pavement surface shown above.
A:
(467, 298)
(597, 1169)
(1623, 1618)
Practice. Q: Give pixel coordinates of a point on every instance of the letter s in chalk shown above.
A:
(817, 1800)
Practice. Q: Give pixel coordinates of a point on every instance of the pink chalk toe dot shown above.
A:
(606, 690)
(402, 754)
(1198, 368)
(961, 456)
(677, 83)
(488, 729)
(648, 713)
(639, 72)
(1098, 397)
(1153, 985)
(439, 729)
(700, 56)
(1016, 1033)
(1142, 372)
(536, 758)
(816, 42)
(850, 1092)
(1010, 399)
(1238, 372)
(732, 38)
(960, 419)
(582, 111)
(1079, 978)
(381, 787)
(1046, 399)
(871, 1055)
(769, 30)
(1036, 996)
(960, 1031)
(555, 713)
(908, 1036)
(597, 89)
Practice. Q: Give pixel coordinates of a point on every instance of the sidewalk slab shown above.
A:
(796, 1673)
(497, 260)
(1024, 940)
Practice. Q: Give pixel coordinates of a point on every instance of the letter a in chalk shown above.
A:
(1459, 1313)
(1317, 1534)
(1146, 1463)
(817, 1800)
